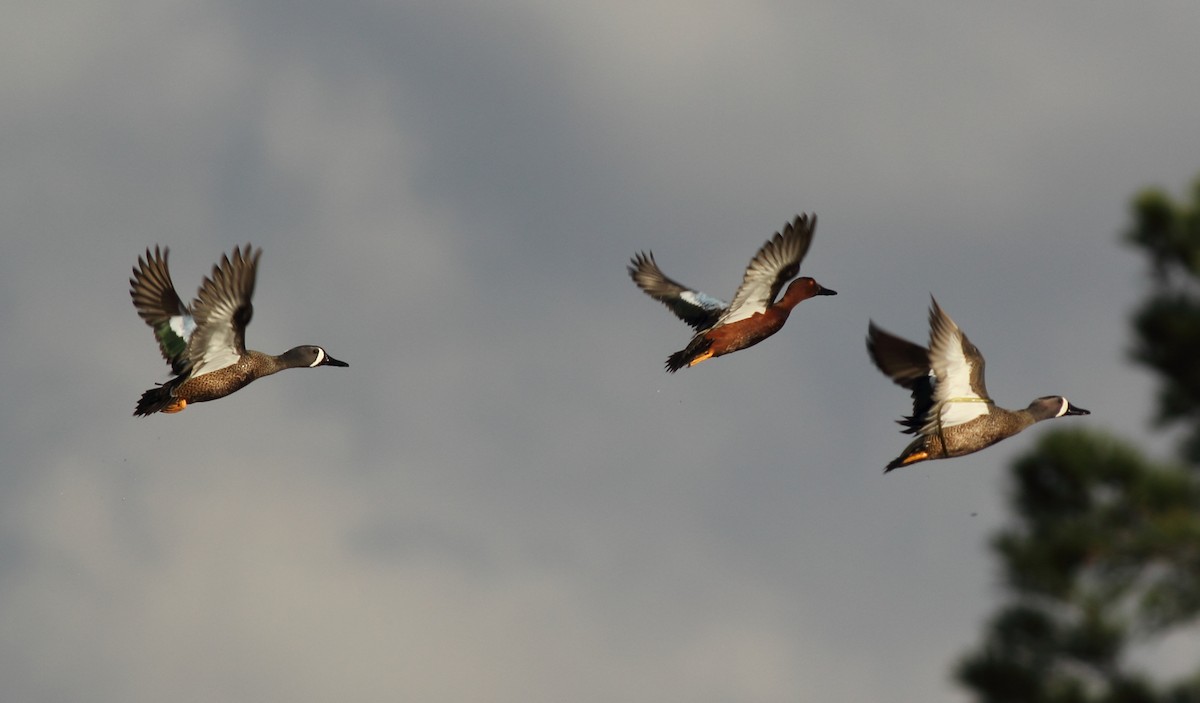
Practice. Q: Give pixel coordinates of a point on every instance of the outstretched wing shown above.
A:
(776, 263)
(699, 310)
(907, 364)
(222, 310)
(958, 367)
(159, 305)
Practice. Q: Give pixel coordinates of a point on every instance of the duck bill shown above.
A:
(330, 361)
(1076, 410)
(822, 290)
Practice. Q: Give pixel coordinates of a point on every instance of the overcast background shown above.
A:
(505, 498)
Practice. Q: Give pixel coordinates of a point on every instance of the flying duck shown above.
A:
(205, 344)
(754, 313)
(953, 414)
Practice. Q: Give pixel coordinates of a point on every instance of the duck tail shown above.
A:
(913, 453)
(695, 352)
(155, 400)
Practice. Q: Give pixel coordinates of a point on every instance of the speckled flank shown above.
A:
(222, 382)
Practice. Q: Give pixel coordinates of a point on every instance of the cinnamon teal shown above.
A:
(754, 313)
(205, 344)
(953, 414)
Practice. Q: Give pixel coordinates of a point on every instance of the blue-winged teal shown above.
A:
(205, 345)
(754, 313)
(952, 412)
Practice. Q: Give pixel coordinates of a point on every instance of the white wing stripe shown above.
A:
(957, 411)
(183, 325)
(701, 300)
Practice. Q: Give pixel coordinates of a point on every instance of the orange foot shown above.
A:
(706, 355)
(914, 458)
(176, 405)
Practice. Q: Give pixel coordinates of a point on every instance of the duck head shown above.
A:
(1050, 406)
(801, 289)
(309, 355)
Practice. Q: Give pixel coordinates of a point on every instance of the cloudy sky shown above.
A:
(505, 498)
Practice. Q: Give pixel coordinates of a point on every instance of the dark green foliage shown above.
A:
(1168, 231)
(1107, 548)
(1168, 323)
(1104, 551)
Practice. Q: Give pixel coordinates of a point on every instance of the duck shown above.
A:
(723, 328)
(953, 415)
(205, 343)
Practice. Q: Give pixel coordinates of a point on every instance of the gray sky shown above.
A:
(505, 498)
